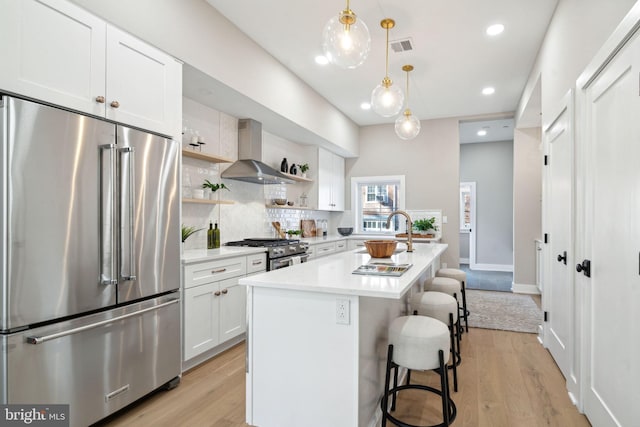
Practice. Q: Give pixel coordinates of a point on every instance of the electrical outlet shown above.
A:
(342, 311)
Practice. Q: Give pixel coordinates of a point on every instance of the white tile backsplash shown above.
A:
(249, 215)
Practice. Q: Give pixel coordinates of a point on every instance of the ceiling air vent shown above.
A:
(402, 45)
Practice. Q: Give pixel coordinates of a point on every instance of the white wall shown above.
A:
(197, 34)
(576, 32)
(490, 166)
(430, 165)
(527, 203)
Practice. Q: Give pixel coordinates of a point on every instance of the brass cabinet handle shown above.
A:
(115, 104)
(216, 293)
(225, 291)
(220, 270)
(100, 99)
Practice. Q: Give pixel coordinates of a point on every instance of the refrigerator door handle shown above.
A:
(43, 339)
(127, 209)
(107, 218)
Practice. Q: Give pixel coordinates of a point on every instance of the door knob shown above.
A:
(563, 258)
(100, 99)
(584, 268)
(115, 104)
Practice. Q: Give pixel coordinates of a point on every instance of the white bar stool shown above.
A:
(447, 286)
(460, 276)
(417, 342)
(443, 307)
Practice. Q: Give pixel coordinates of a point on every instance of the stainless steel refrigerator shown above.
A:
(89, 259)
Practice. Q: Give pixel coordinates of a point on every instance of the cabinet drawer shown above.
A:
(206, 272)
(257, 262)
(324, 249)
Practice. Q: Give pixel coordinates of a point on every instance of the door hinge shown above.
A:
(546, 237)
(546, 316)
(546, 160)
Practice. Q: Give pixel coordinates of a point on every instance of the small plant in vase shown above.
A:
(188, 231)
(424, 225)
(214, 187)
(303, 169)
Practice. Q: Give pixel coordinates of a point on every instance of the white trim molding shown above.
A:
(492, 267)
(519, 288)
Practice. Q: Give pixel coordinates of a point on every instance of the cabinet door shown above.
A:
(53, 51)
(143, 84)
(325, 177)
(201, 319)
(337, 183)
(233, 303)
(330, 181)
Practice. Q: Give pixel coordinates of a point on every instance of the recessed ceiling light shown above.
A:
(365, 106)
(321, 60)
(494, 30)
(482, 132)
(488, 90)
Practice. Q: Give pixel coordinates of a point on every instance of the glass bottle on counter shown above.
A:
(210, 236)
(216, 236)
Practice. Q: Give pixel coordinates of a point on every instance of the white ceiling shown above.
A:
(453, 57)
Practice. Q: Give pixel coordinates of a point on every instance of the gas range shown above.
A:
(280, 252)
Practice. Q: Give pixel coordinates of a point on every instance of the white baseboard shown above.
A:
(518, 288)
(492, 267)
(464, 260)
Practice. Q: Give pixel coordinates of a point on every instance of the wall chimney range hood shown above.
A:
(249, 168)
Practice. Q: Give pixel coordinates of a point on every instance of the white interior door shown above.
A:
(558, 298)
(612, 243)
(468, 217)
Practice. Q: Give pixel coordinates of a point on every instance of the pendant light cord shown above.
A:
(387, 56)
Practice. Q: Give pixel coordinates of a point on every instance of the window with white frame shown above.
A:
(373, 199)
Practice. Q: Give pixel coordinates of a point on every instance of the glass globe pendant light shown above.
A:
(407, 125)
(386, 99)
(345, 40)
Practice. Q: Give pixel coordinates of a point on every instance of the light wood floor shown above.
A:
(506, 379)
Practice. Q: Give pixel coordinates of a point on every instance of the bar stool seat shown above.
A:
(443, 307)
(460, 276)
(417, 342)
(445, 285)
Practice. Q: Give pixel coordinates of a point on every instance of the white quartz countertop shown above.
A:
(333, 274)
(198, 255)
(337, 237)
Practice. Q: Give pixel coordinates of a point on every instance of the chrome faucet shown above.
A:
(409, 227)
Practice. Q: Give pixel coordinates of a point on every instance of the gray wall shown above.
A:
(490, 166)
(527, 203)
(430, 165)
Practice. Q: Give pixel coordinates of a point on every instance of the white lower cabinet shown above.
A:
(215, 311)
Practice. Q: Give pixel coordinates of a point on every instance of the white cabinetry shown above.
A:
(58, 53)
(330, 181)
(214, 302)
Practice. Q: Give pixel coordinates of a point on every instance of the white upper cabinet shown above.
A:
(58, 53)
(330, 181)
(143, 84)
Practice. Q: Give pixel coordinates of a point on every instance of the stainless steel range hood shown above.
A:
(249, 168)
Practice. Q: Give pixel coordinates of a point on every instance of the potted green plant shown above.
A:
(294, 232)
(304, 168)
(188, 231)
(423, 225)
(214, 187)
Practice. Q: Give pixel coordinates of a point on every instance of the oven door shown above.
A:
(286, 261)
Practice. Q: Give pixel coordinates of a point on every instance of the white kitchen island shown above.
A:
(317, 338)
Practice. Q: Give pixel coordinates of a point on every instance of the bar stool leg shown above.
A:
(464, 306)
(454, 365)
(444, 379)
(385, 398)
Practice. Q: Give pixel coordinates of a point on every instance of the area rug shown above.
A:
(503, 310)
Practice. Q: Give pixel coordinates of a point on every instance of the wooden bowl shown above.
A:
(380, 248)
